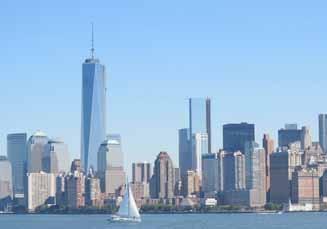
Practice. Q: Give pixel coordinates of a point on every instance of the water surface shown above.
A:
(219, 221)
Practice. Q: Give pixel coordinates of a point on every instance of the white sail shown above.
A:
(123, 208)
(128, 206)
(133, 211)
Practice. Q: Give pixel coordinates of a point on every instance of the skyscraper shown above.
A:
(41, 189)
(323, 131)
(35, 150)
(111, 164)
(291, 134)
(141, 176)
(56, 157)
(200, 118)
(92, 191)
(212, 172)
(141, 172)
(255, 173)
(236, 135)
(199, 148)
(269, 146)
(306, 140)
(93, 130)
(208, 123)
(191, 184)
(75, 190)
(305, 187)
(185, 153)
(6, 189)
(282, 165)
(163, 179)
(234, 171)
(17, 155)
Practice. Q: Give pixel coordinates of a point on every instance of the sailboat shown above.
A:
(128, 211)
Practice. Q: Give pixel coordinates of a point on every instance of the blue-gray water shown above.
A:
(230, 221)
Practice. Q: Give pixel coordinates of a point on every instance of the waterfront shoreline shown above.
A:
(174, 213)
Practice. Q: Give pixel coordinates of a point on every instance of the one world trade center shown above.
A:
(93, 126)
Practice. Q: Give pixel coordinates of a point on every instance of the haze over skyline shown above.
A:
(259, 62)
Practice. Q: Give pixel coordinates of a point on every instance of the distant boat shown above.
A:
(128, 211)
(307, 207)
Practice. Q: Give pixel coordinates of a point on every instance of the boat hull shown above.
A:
(121, 219)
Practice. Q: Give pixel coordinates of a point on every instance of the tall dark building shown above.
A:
(323, 131)
(291, 134)
(208, 122)
(17, 155)
(185, 154)
(236, 135)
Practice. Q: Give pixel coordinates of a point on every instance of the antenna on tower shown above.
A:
(92, 47)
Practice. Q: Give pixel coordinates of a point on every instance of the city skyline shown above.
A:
(225, 75)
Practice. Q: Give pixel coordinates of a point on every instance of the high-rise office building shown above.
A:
(35, 150)
(291, 134)
(93, 131)
(255, 166)
(111, 164)
(141, 176)
(75, 190)
(60, 189)
(282, 165)
(305, 187)
(41, 190)
(56, 157)
(93, 195)
(162, 181)
(306, 140)
(208, 123)
(199, 148)
(212, 172)
(190, 184)
(236, 135)
(17, 155)
(185, 152)
(141, 172)
(269, 146)
(234, 171)
(6, 184)
(200, 118)
(323, 131)
(177, 174)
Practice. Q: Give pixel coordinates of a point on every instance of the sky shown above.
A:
(262, 62)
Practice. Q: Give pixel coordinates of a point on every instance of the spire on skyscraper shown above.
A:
(92, 42)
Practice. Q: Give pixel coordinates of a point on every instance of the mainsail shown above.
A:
(128, 206)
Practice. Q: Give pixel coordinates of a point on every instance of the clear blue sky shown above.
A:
(260, 61)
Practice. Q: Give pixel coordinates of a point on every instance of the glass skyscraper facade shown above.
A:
(56, 157)
(195, 141)
(235, 136)
(111, 164)
(200, 118)
(110, 153)
(185, 157)
(35, 150)
(17, 155)
(93, 126)
(199, 148)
